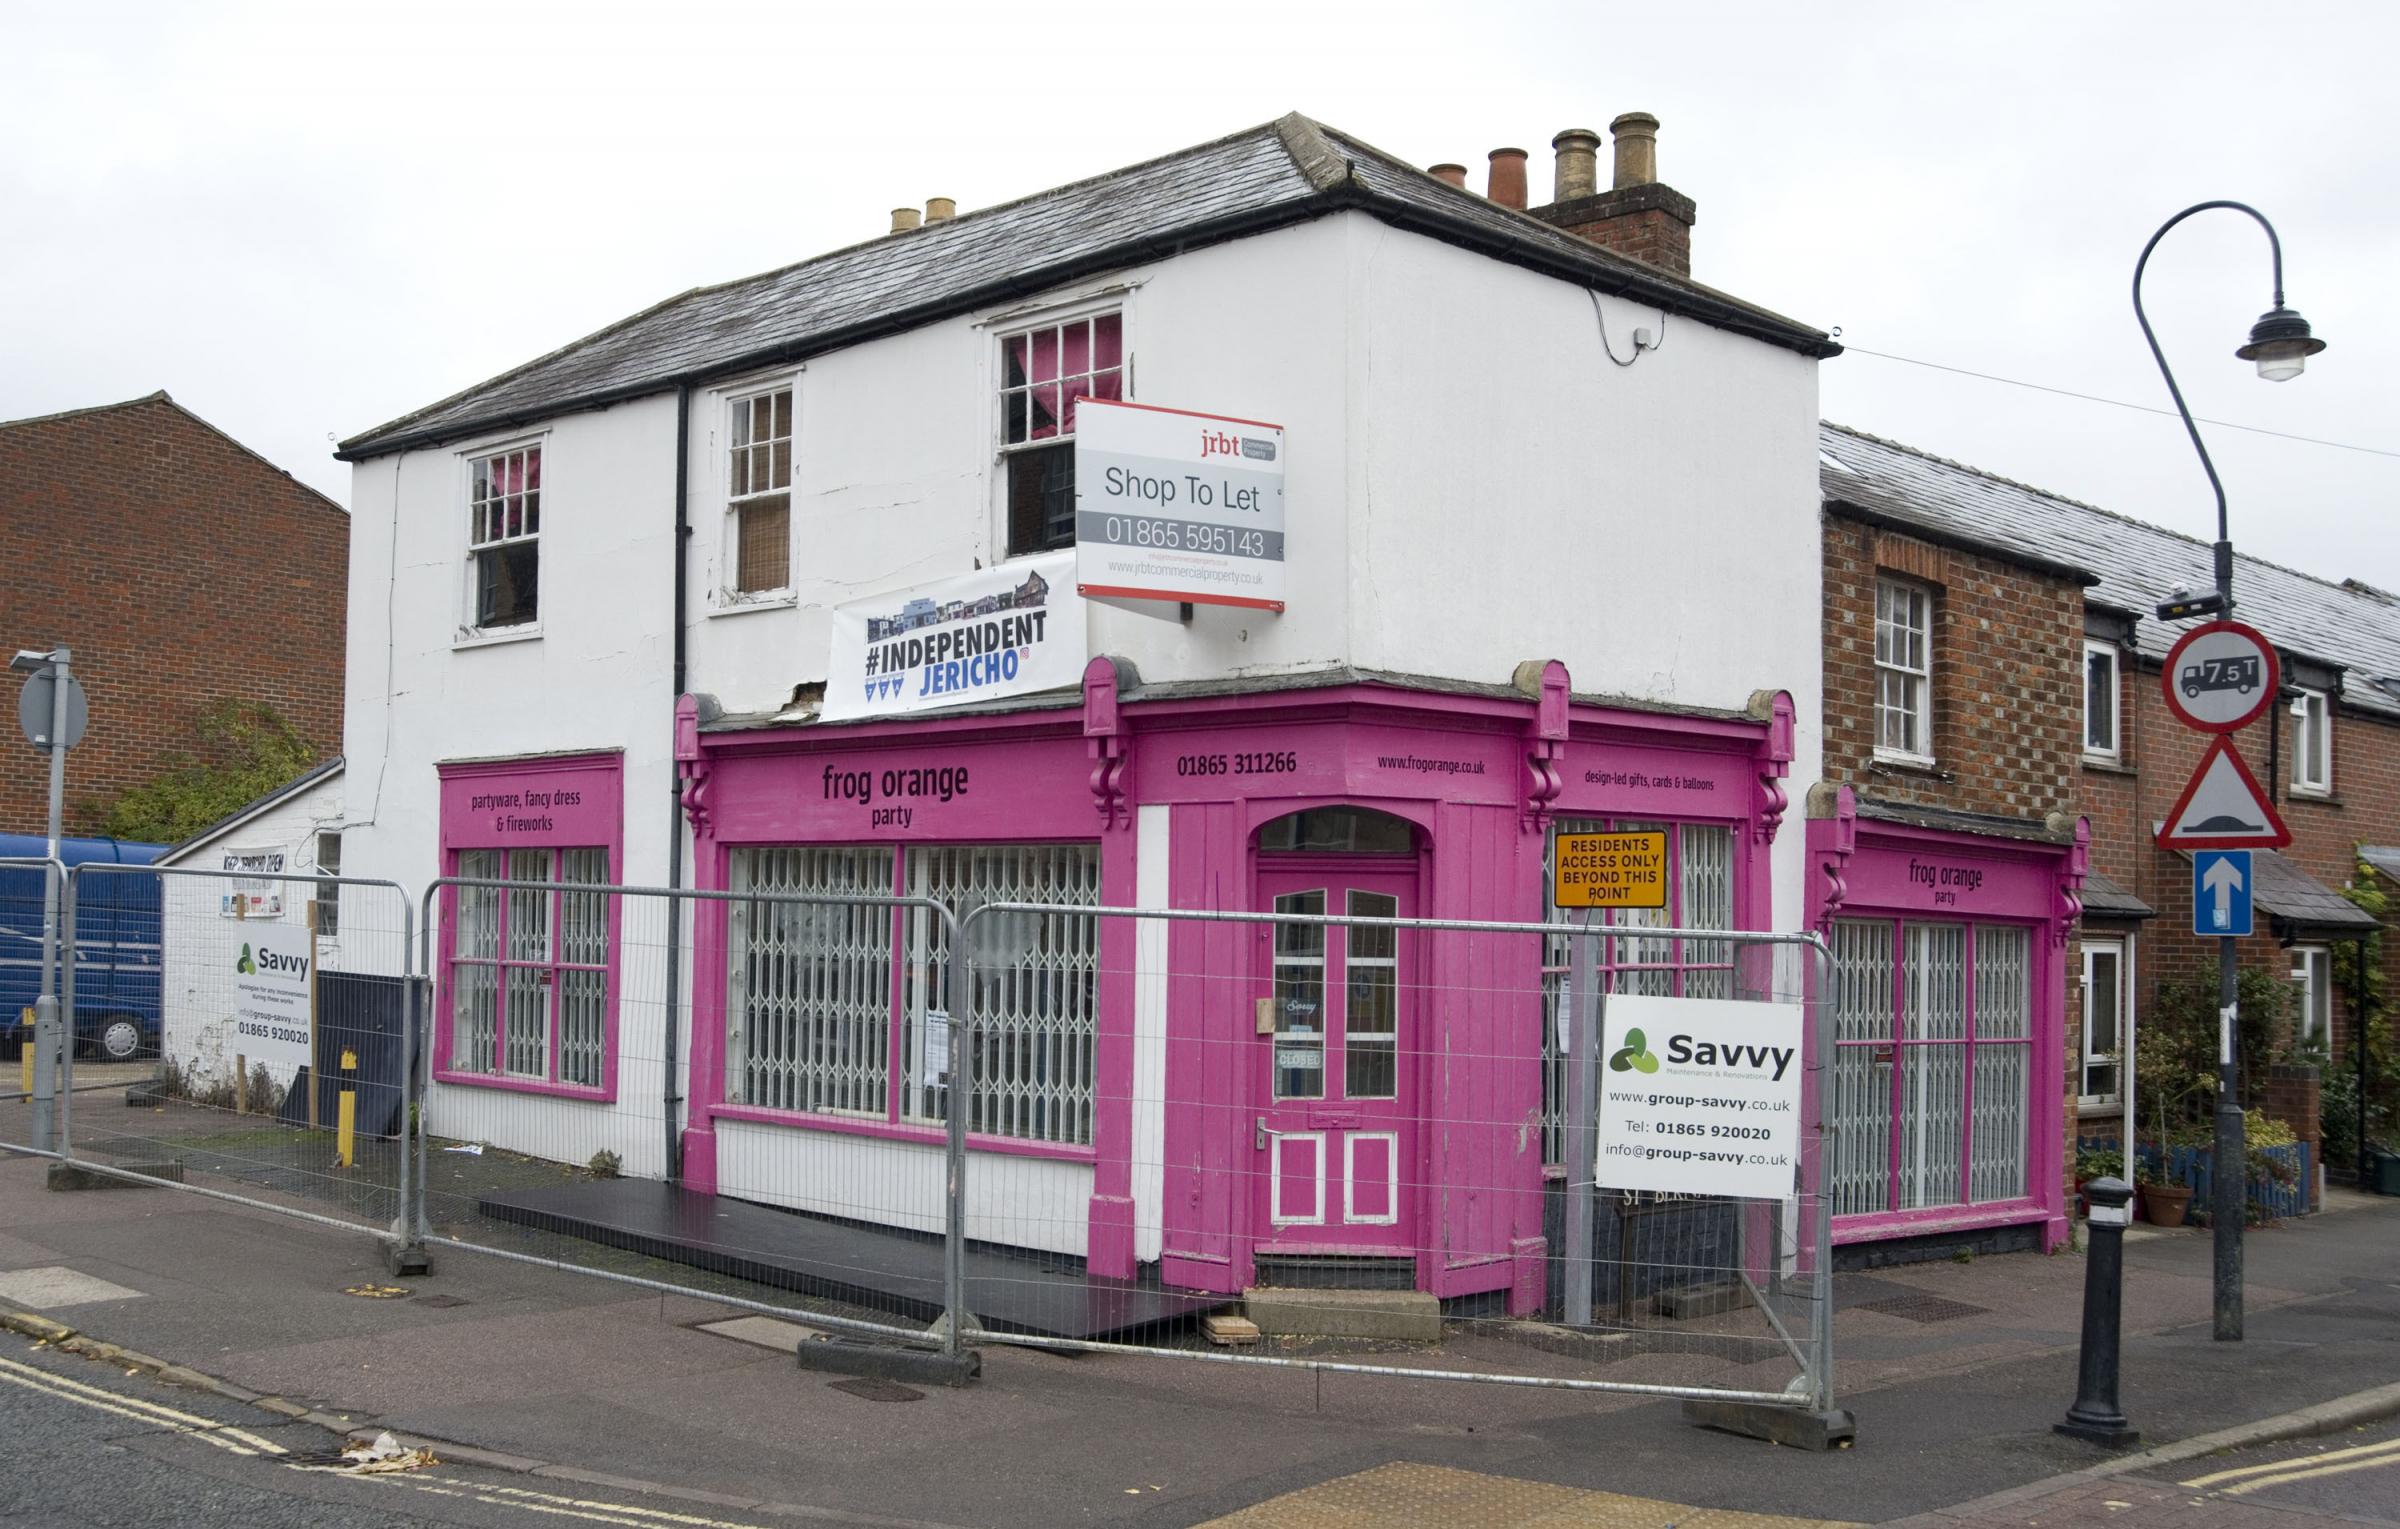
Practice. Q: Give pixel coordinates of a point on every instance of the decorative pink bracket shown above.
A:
(1103, 725)
(1768, 801)
(1547, 746)
(1831, 843)
(2070, 884)
(690, 763)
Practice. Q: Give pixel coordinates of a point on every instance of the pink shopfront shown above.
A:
(1197, 1100)
(1944, 1106)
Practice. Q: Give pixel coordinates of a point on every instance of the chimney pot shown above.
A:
(1508, 178)
(1637, 149)
(1456, 175)
(904, 219)
(940, 209)
(1578, 165)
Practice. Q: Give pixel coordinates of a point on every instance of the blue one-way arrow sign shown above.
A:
(2221, 892)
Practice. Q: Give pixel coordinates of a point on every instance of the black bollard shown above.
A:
(2096, 1415)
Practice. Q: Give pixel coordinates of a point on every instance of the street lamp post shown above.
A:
(2280, 344)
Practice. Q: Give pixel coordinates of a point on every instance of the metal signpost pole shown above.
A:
(1582, 1009)
(2280, 344)
(954, 1220)
(46, 1032)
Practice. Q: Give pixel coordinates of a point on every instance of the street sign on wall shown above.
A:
(2221, 677)
(1173, 505)
(2223, 807)
(1621, 870)
(2221, 892)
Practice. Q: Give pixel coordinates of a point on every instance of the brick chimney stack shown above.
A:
(1638, 216)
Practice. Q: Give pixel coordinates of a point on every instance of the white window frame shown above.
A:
(2116, 701)
(2312, 711)
(1921, 675)
(2122, 951)
(725, 598)
(997, 330)
(2312, 974)
(471, 633)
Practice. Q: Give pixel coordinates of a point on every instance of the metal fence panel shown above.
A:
(31, 891)
(254, 1035)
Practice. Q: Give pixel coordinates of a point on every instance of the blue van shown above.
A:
(117, 937)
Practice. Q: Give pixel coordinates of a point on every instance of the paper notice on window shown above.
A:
(933, 1049)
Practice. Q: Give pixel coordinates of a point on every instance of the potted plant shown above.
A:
(2163, 1203)
(2095, 1163)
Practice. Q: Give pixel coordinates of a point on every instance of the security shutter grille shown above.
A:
(808, 1017)
(529, 967)
(1036, 988)
(1700, 897)
(1949, 1074)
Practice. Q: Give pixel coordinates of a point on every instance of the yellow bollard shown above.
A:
(345, 1114)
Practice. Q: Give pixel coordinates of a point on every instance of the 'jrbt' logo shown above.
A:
(1634, 1056)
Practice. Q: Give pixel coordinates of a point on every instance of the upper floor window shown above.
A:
(329, 894)
(758, 492)
(1903, 669)
(504, 528)
(1043, 371)
(2312, 742)
(2312, 997)
(2100, 699)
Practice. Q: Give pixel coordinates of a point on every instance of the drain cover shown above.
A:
(866, 1388)
(1922, 1308)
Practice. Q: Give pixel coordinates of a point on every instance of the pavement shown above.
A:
(1954, 1370)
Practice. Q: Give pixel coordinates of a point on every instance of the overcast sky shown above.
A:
(303, 220)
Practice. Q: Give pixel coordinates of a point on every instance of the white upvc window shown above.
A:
(2312, 742)
(758, 493)
(1903, 671)
(2100, 698)
(2312, 997)
(504, 529)
(2107, 1022)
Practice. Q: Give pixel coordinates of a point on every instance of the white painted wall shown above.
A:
(1019, 1202)
(199, 940)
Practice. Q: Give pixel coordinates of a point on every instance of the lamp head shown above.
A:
(2281, 344)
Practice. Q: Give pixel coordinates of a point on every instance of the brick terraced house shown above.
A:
(182, 569)
(1993, 671)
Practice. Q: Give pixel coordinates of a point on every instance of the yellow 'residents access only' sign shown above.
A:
(1627, 870)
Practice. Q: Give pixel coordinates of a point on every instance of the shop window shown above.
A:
(530, 966)
(504, 528)
(1044, 371)
(2312, 998)
(1929, 1101)
(1903, 670)
(2100, 700)
(2107, 1021)
(1700, 895)
(758, 493)
(329, 894)
(823, 997)
(2312, 742)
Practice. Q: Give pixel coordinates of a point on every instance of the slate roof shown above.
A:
(2104, 899)
(2137, 565)
(1279, 173)
(253, 808)
(2384, 857)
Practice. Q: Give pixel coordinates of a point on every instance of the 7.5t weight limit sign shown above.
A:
(1620, 870)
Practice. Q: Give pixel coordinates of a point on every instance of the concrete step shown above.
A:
(1410, 1316)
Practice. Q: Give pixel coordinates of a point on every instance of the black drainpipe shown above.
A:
(672, 1095)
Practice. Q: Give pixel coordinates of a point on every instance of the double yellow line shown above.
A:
(2340, 1462)
(208, 1431)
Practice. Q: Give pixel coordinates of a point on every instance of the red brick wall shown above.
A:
(182, 570)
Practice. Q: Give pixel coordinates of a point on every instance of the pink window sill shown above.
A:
(605, 1094)
(1941, 1218)
(884, 1130)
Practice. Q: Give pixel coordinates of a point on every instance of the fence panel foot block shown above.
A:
(1777, 1425)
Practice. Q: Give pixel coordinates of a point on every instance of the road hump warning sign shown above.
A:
(1621, 870)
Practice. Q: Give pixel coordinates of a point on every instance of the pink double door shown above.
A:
(1335, 1067)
